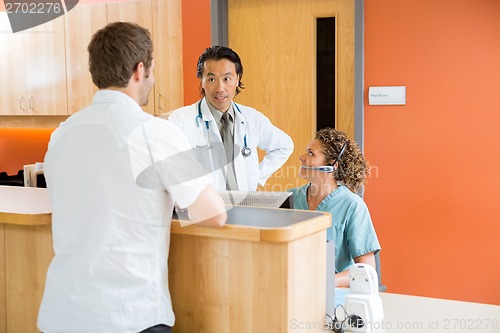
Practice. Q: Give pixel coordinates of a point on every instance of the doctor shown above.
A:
(216, 120)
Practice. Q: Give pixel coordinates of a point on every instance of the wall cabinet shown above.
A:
(80, 24)
(162, 18)
(33, 67)
(167, 39)
(45, 69)
(164, 21)
(139, 12)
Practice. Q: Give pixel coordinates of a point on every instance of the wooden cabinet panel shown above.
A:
(46, 69)
(225, 285)
(164, 20)
(13, 78)
(33, 79)
(3, 292)
(139, 12)
(28, 252)
(80, 24)
(167, 39)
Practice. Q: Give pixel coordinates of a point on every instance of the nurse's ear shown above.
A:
(333, 163)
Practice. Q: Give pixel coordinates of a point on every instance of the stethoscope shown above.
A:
(245, 151)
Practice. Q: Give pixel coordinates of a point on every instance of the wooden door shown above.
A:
(81, 23)
(276, 43)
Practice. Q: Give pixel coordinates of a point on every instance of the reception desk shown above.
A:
(262, 270)
(25, 254)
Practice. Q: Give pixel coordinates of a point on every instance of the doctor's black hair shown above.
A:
(217, 53)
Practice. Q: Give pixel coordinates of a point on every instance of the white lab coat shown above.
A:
(259, 131)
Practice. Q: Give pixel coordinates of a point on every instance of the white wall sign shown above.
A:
(387, 95)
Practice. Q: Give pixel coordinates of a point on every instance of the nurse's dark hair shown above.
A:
(116, 50)
(352, 166)
(217, 53)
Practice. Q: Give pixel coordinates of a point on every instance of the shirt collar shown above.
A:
(337, 192)
(113, 96)
(218, 115)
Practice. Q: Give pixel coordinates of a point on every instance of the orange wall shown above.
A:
(195, 39)
(434, 192)
(20, 146)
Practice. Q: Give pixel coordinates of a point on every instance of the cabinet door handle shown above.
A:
(21, 103)
(31, 103)
(158, 102)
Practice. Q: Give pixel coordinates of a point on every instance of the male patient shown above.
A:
(112, 185)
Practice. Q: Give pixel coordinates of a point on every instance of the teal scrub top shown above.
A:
(352, 228)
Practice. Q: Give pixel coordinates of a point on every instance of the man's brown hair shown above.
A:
(116, 50)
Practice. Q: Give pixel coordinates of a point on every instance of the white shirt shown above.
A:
(112, 203)
(249, 123)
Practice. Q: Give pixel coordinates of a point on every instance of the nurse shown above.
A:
(336, 170)
(216, 121)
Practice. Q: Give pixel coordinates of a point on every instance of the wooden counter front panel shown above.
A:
(307, 282)
(3, 305)
(222, 285)
(28, 252)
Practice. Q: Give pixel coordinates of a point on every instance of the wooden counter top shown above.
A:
(24, 205)
(261, 224)
(31, 206)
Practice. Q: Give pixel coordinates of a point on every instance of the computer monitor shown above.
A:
(258, 199)
(253, 199)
